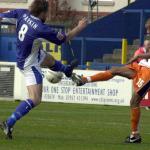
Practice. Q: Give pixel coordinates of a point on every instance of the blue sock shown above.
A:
(58, 66)
(23, 108)
(66, 69)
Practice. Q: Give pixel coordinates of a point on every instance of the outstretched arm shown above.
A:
(9, 14)
(58, 38)
(81, 25)
(142, 56)
(12, 14)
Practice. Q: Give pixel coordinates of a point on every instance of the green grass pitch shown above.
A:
(55, 126)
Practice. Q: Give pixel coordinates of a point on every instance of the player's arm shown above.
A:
(137, 52)
(9, 14)
(60, 37)
(142, 56)
(12, 14)
(81, 25)
(51, 35)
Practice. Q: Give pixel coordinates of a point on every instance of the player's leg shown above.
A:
(116, 71)
(50, 62)
(34, 99)
(34, 80)
(35, 93)
(135, 118)
(104, 76)
(141, 86)
(123, 72)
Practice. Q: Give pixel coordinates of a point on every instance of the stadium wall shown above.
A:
(117, 91)
(104, 93)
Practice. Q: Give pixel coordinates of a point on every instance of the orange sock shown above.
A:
(103, 76)
(135, 117)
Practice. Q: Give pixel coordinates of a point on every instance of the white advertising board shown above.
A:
(117, 91)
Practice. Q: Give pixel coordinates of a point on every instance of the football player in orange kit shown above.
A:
(139, 72)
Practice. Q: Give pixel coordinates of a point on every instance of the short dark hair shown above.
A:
(39, 6)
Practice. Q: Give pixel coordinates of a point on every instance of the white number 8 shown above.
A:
(22, 32)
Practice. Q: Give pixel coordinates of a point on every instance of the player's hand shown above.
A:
(83, 23)
(132, 60)
(74, 32)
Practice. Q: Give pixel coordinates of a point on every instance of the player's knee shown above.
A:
(35, 93)
(49, 61)
(135, 101)
(133, 104)
(36, 99)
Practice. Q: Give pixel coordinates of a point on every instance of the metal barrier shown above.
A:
(124, 51)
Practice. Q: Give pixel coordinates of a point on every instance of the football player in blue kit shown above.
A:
(30, 57)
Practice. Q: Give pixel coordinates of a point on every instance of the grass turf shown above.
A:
(54, 126)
